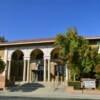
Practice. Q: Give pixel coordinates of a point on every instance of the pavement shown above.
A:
(49, 91)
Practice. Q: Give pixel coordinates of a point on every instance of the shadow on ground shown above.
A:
(27, 87)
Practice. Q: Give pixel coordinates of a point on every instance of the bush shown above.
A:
(70, 83)
(98, 87)
(2, 66)
(75, 84)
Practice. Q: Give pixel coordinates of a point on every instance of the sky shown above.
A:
(31, 19)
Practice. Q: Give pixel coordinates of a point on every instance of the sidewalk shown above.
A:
(41, 93)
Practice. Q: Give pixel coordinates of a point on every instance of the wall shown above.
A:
(1, 52)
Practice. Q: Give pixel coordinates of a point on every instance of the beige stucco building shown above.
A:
(29, 61)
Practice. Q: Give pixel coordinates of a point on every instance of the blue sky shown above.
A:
(29, 19)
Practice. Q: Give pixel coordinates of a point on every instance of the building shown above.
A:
(29, 61)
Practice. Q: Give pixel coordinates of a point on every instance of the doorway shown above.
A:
(60, 72)
(40, 73)
(34, 75)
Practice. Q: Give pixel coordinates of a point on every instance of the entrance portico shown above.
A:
(36, 65)
(33, 62)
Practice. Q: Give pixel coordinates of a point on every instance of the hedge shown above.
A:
(75, 84)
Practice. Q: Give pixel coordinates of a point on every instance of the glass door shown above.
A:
(34, 75)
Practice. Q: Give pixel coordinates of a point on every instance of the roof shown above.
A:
(36, 41)
(93, 38)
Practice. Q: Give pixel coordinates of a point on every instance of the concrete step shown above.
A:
(39, 86)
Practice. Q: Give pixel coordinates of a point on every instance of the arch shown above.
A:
(36, 65)
(55, 54)
(17, 54)
(17, 64)
(36, 54)
(57, 66)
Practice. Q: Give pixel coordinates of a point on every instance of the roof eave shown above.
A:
(25, 43)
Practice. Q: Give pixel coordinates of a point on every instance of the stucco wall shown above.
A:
(1, 53)
(53, 77)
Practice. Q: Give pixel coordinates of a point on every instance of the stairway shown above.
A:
(38, 87)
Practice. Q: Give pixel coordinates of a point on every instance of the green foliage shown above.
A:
(2, 66)
(97, 75)
(75, 84)
(70, 83)
(98, 87)
(97, 68)
(77, 53)
(98, 59)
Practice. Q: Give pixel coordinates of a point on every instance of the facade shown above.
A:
(35, 60)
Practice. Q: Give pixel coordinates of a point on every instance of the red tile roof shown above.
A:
(34, 40)
(41, 40)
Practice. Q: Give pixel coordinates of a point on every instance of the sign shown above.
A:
(88, 83)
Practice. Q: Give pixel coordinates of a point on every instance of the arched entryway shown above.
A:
(57, 67)
(36, 65)
(16, 73)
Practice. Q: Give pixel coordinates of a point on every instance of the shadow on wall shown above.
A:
(27, 87)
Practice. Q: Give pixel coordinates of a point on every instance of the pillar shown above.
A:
(24, 70)
(5, 60)
(48, 69)
(44, 70)
(9, 68)
(28, 65)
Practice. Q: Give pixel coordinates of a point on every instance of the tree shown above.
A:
(2, 39)
(97, 68)
(88, 61)
(68, 45)
(2, 66)
(76, 52)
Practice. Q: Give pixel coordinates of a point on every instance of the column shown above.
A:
(5, 60)
(28, 65)
(48, 69)
(9, 68)
(44, 70)
(24, 70)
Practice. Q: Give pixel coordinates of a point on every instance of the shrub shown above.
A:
(98, 87)
(75, 84)
(70, 83)
(2, 66)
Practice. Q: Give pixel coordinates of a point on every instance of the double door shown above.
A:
(37, 75)
(60, 72)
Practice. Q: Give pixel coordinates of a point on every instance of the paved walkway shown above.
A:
(51, 95)
(51, 91)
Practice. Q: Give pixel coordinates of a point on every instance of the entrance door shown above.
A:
(60, 72)
(40, 73)
(34, 75)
